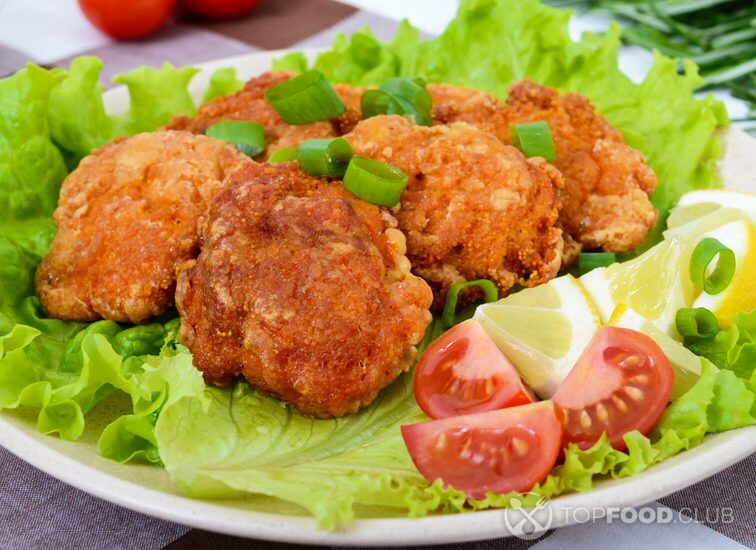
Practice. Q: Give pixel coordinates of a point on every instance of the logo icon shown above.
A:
(526, 522)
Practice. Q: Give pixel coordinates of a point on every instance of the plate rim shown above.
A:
(717, 452)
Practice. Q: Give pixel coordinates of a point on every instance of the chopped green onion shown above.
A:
(305, 98)
(490, 291)
(375, 181)
(286, 154)
(712, 281)
(698, 322)
(324, 157)
(399, 96)
(534, 139)
(588, 261)
(247, 137)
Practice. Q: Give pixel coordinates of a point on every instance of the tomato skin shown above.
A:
(127, 20)
(622, 382)
(464, 372)
(219, 9)
(496, 451)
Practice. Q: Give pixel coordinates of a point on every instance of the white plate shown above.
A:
(147, 489)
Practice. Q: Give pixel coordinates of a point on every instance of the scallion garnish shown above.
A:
(698, 322)
(375, 181)
(247, 137)
(490, 291)
(588, 261)
(286, 154)
(712, 280)
(399, 96)
(305, 98)
(324, 157)
(534, 139)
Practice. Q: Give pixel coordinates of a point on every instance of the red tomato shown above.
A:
(621, 382)
(219, 9)
(464, 372)
(497, 451)
(127, 20)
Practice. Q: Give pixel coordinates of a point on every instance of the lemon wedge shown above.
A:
(542, 330)
(686, 364)
(655, 284)
(740, 294)
(697, 206)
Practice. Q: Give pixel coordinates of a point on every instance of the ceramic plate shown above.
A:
(148, 489)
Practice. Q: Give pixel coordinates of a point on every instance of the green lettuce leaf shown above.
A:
(31, 167)
(156, 95)
(222, 82)
(76, 113)
(733, 349)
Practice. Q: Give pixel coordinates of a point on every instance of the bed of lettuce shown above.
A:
(217, 443)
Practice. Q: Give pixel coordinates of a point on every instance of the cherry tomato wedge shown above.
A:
(127, 20)
(464, 372)
(621, 382)
(496, 451)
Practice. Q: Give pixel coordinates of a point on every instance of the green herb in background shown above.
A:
(718, 35)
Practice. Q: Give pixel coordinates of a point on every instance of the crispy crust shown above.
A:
(249, 104)
(304, 290)
(473, 207)
(127, 217)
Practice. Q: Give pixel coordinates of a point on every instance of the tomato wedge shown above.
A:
(496, 451)
(464, 372)
(621, 382)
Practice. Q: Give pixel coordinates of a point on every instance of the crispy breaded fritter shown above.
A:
(127, 217)
(473, 207)
(303, 289)
(249, 104)
(606, 182)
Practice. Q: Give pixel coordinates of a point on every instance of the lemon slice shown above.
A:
(740, 294)
(686, 364)
(696, 205)
(542, 330)
(655, 284)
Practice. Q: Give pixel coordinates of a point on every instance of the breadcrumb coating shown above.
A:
(127, 217)
(304, 290)
(473, 207)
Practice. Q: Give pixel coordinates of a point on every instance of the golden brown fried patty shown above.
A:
(473, 207)
(249, 104)
(127, 217)
(304, 290)
(606, 182)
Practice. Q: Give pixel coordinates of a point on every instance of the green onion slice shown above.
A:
(286, 154)
(588, 261)
(712, 280)
(490, 291)
(375, 181)
(698, 322)
(305, 98)
(247, 137)
(324, 157)
(534, 139)
(399, 96)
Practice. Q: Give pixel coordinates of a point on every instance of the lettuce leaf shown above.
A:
(156, 95)
(733, 349)
(222, 82)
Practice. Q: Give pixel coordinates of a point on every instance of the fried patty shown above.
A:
(127, 217)
(304, 290)
(473, 207)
